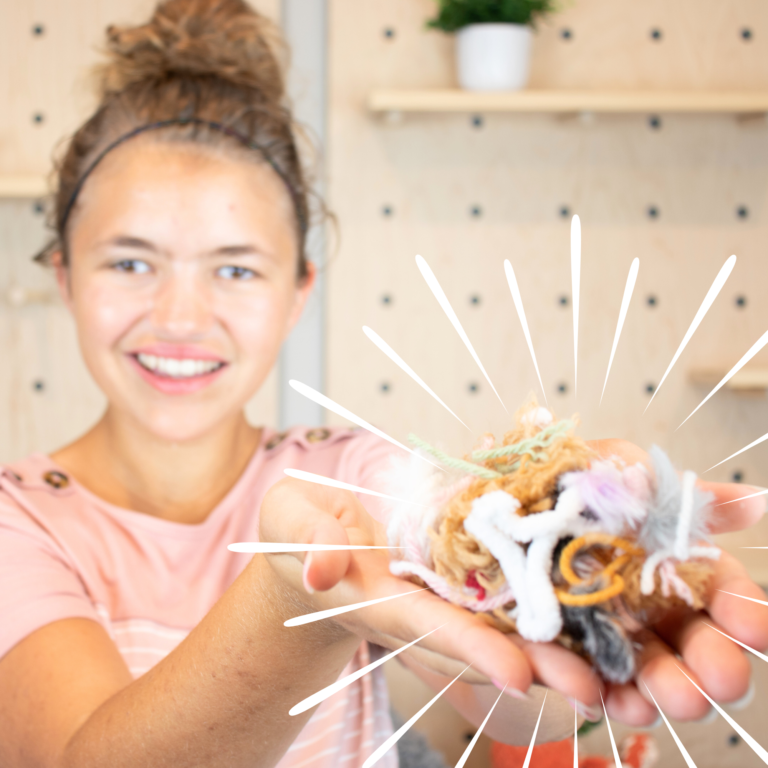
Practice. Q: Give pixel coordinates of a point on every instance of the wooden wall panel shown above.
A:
(467, 192)
(47, 397)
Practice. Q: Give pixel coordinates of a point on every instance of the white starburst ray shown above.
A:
(709, 299)
(397, 735)
(616, 757)
(322, 695)
(738, 642)
(683, 751)
(743, 597)
(340, 410)
(310, 477)
(756, 748)
(468, 751)
(518, 301)
(397, 360)
(442, 300)
(751, 352)
(733, 455)
(742, 498)
(575, 738)
(628, 290)
(272, 548)
(308, 618)
(575, 288)
(535, 731)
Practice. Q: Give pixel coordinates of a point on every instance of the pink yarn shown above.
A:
(606, 496)
(670, 580)
(441, 587)
(448, 493)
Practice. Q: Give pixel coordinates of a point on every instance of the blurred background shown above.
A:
(651, 126)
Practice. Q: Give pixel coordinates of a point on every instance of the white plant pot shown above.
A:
(493, 57)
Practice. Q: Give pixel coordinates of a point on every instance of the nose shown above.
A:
(182, 306)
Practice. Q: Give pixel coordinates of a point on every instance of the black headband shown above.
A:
(186, 121)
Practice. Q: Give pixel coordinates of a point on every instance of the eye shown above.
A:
(235, 273)
(131, 266)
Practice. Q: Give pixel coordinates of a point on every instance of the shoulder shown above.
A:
(341, 452)
(32, 485)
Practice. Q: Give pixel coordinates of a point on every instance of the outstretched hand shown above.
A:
(297, 511)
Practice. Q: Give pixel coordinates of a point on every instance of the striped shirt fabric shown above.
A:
(65, 553)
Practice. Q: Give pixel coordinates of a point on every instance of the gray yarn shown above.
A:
(413, 749)
(659, 527)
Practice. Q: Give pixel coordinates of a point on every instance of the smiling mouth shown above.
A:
(176, 368)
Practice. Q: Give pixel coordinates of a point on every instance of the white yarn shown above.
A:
(495, 523)
(683, 533)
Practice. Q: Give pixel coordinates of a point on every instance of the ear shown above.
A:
(62, 278)
(303, 290)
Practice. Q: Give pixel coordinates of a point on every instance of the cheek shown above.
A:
(258, 326)
(103, 315)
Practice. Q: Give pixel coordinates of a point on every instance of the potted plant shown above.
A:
(493, 40)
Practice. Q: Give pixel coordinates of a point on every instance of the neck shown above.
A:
(182, 482)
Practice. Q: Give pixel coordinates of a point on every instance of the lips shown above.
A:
(177, 370)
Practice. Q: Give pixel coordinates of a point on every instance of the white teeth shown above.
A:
(175, 368)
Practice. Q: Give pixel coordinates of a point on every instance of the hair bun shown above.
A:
(197, 38)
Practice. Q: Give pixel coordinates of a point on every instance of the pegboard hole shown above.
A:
(652, 301)
(389, 33)
(562, 388)
(38, 118)
(741, 301)
(652, 212)
(563, 300)
(566, 34)
(387, 211)
(38, 30)
(656, 34)
(475, 300)
(38, 208)
(742, 212)
(385, 387)
(650, 388)
(746, 34)
(564, 211)
(38, 385)
(654, 122)
(387, 300)
(473, 388)
(475, 211)
(733, 740)
(737, 476)
(477, 121)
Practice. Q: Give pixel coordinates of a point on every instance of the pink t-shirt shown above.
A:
(65, 553)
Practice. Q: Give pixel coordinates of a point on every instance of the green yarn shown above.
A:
(449, 461)
(531, 446)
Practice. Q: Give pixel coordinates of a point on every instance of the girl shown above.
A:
(129, 635)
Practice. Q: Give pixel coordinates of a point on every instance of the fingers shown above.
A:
(561, 669)
(729, 514)
(662, 673)
(627, 705)
(744, 620)
(719, 665)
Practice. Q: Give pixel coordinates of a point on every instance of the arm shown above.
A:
(220, 699)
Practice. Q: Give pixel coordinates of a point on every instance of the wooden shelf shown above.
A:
(746, 380)
(22, 187)
(568, 101)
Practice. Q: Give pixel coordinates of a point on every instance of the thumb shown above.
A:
(323, 570)
(297, 512)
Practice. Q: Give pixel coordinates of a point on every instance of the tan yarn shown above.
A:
(534, 484)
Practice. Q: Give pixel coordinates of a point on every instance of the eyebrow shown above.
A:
(244, 249)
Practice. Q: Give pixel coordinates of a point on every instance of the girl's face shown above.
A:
(183, 283)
